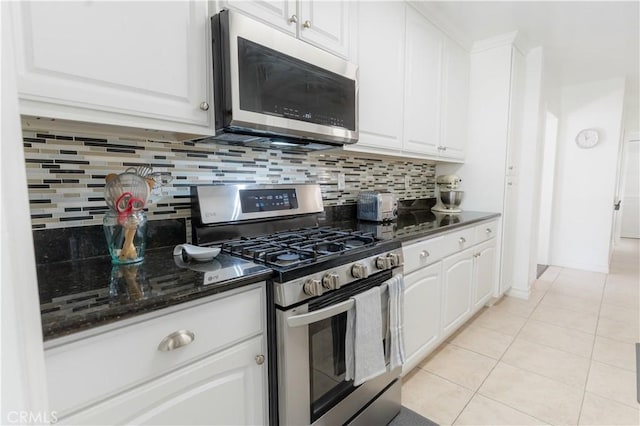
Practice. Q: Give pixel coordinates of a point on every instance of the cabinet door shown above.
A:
(509, 232)
(455, 100)
(516, 112)
(325, 24)
(457, 276)
(485, 272)
(278, 13)
(421, 313)
(133, 59)
(223, 389)
(381, 59)
(423, 59)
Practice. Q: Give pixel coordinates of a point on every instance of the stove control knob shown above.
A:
(359, 270)
(396, 259)
(312, 287)
(331, 281)
(383, 262)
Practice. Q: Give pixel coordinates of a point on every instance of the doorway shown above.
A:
(630, 191)
(546, 191)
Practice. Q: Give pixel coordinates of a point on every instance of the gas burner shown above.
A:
(354, 243)
(287, 258)
(327, 248)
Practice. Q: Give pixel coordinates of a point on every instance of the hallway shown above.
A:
(565, 356)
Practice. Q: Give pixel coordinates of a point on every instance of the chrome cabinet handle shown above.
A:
(307, 24)
(204, 106)
(462, 240)
(488, 230)
(293, 19)
(424, 254)
(259, 359)
(510, 167)
(176, 340)
(509, 183)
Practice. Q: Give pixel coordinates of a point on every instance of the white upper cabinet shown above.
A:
(380, 57)
(414, 85)
(423, 61)
(132, 64)
(324, 24)
(455, 100)
(516, 105)
(281, 14)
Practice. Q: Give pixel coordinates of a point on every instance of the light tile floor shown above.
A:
(566, 356)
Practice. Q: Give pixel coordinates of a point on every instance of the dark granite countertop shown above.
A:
(78, 295)
(82, 294)
(412, 224)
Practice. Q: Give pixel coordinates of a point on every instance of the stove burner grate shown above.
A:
(306, 245)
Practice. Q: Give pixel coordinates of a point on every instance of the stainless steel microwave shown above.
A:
(270, 87)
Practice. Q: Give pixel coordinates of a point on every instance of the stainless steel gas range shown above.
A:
(317, 270)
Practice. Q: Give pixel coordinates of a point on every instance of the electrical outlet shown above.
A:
(341, 182)
(407, 181)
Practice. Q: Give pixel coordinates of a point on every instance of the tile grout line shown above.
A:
(593, 345)
(476, 392)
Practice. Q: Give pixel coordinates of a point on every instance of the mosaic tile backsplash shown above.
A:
(65, 174)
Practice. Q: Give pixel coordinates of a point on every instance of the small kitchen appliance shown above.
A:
(376, 206)
(316, 271)
(448, 197)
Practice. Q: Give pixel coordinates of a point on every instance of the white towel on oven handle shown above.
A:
(364, 350)
(395, 331)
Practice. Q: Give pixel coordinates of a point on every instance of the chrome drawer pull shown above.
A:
(293, 19)
(462, 240)
(307, 24)
(424, 254)
(176, 340)
(488, 230)
(259, 359)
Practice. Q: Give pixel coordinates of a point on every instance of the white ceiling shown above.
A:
(582, 40)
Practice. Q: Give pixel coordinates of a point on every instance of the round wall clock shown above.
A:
(587, 138)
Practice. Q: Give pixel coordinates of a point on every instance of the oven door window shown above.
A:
(327, 362)
(277, 84)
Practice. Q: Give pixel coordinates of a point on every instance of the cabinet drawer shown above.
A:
(422, 253)
(91, 369)
(458, 241)
(486, 231)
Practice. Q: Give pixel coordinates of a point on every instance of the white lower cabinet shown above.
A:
(204, 362)
(444, 293)
(223, 389)
(485, 273)
(421, 313)
(457, 280)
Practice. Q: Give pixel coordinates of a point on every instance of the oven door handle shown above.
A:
(324, 313)
(320, 314)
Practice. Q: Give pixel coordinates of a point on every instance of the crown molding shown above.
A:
(513, 38)
(435, 16)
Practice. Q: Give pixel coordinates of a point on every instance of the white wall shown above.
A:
(547, 178)
(529, 186)
(586, 178)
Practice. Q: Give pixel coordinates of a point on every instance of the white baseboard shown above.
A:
(520, 294)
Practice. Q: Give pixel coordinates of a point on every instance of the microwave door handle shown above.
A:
(324, 313)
